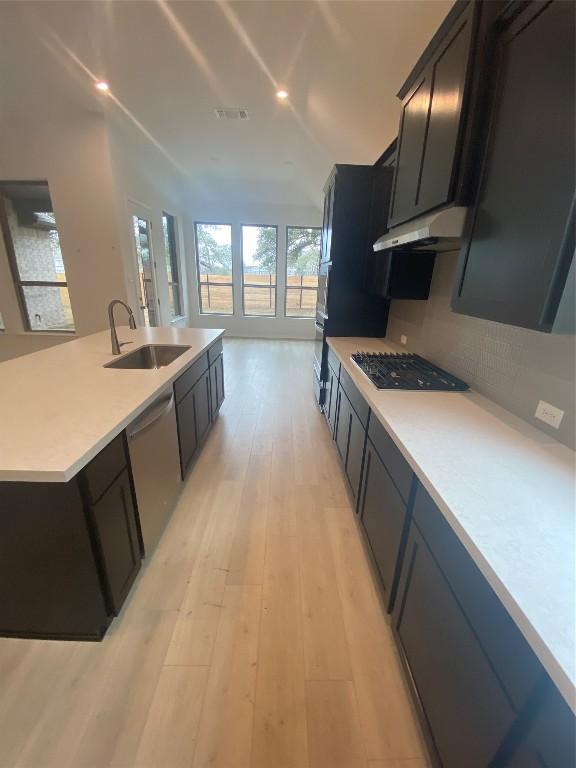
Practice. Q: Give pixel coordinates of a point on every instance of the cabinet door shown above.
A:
(439, 162)
(202, 412)
(49, 585)
(467, 711)
(410, 150)
(326, 245)
(550, 735)
(186, 430)
(518, 251)
(220, 380)
(330, 402)
(117, 535)
(383, 516)
(342, 428)
(356, 440)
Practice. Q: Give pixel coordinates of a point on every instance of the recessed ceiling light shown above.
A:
(281, 94)
(102, 86)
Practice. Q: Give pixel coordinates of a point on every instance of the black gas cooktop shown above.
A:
(406, 371)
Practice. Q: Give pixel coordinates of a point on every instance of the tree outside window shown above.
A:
(214, 264)
(302, 257)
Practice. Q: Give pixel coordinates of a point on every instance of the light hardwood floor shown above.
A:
(253, 638)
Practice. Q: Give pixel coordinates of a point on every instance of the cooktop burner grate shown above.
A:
(406, 371)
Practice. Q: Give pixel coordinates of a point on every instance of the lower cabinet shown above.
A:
(484, 698)
(350, 436)
(217, 384)
(116, 531)
(199, 394)
(331, 397)
(187, 439)
(549, 736)
(384, 517)
(202, 408)
(467, 711)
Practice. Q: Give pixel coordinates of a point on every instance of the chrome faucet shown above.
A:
(113, 335)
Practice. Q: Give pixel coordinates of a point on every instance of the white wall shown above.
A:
(236, 214)
(94, 178)
(148, 187)
(72, 153)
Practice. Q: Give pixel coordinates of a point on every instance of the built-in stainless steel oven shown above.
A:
(319, 344)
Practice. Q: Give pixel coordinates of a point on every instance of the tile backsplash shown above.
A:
(514, 367)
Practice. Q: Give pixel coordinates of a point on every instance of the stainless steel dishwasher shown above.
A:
(155, 459)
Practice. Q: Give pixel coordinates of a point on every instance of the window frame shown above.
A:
(274, 226)
(174, 261)
(20, 284)
(298, 317)
(197, 255)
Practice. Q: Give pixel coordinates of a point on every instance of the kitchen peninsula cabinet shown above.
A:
(69, 552)
(199, 393)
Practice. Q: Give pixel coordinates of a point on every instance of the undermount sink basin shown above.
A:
(149, 356)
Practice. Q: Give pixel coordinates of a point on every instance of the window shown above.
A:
(259, 253)
(302, 257)
(172, 267)
(2, 326)
(214, 263)
(33, 247)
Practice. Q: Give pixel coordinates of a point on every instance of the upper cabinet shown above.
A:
(438, 108)
(518, 248)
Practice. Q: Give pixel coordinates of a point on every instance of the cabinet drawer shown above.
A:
(510, 655)
(105, 467)
(395, 463)
(214, 351)
(356, 400)
(333, 362)
(184, 383)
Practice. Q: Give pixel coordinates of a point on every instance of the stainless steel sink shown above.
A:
(150, 356)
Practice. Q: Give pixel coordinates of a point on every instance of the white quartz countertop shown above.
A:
(60, 407)
(508, 492)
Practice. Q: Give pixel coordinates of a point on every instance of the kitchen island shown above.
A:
(71, 538)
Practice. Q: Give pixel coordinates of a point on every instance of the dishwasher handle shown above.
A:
(151, 418)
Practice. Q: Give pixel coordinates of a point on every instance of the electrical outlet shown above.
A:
(403, 339)
(549, 414)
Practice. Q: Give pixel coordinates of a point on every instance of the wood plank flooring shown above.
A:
(254, 637)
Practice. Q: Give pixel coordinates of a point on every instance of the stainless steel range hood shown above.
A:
(438, 231)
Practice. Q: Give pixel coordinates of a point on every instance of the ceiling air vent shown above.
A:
(231, 113)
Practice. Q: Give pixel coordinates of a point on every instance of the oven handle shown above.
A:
(319, 326)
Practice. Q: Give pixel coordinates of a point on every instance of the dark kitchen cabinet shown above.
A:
(342, 424)
(330, 399)
(432, 119)
(519, 243)
(546, 732)
(217, 384)
(346, 308)
(50, 586)
(186, 420)
(116, 529)
(350, 432)
(384, 517)
(195, 390)
(463, 702)
(202, 407)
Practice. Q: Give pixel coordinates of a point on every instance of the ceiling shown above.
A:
(170, 65)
